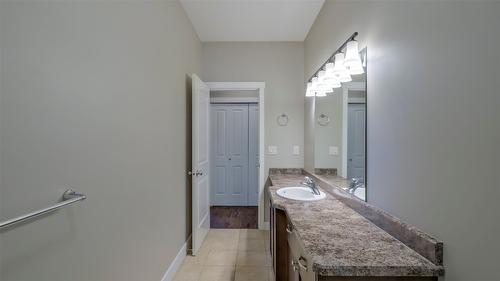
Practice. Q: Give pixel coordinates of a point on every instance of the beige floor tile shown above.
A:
(195, 260)
(223, 233)
(247, 258)
(223, 239)
(222, 257)
(247, 244)
(188, 272)
(254, 234)
(219, 244)
(200, 257)
(217, 273)
(225, 248)
(252, 273)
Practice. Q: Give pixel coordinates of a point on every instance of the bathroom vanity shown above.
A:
(343, 238)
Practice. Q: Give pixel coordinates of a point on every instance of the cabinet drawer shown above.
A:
(300, 260)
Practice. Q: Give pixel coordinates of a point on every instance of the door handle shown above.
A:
(195, 173)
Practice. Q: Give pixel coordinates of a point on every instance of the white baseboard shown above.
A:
(176, 263)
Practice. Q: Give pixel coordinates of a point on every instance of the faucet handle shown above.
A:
(308, 179)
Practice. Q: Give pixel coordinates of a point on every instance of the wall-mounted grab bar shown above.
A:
(69, 197)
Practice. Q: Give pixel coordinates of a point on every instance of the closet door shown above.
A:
(229, 186)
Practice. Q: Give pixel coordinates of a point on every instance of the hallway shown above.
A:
(230, 255)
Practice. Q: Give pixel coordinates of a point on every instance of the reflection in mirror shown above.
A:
(340, 134)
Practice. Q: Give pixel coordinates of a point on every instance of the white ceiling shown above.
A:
(252, 20)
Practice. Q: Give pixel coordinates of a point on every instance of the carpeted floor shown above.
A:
(233, 217)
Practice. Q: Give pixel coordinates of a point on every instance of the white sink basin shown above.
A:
(300, 193)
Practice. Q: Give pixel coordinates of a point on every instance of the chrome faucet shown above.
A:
(311, 184)
(354, 184)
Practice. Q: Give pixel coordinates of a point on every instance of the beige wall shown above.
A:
(1, 89)
(281, 66)
(433, 118)
(94, 98)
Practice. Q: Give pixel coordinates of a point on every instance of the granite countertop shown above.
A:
(341, 242)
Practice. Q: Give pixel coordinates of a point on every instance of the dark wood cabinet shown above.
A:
(279, 244)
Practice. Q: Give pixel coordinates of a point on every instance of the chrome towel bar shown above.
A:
(69, 197)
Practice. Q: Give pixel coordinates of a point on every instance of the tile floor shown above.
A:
(230, 255)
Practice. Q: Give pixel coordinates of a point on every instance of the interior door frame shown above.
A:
(260, 87)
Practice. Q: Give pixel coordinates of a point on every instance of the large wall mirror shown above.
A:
(340, 134)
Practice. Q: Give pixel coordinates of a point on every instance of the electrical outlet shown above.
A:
(333, 150)
(272, 150)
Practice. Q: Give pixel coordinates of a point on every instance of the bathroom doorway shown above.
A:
(236, 142)
(234, 162)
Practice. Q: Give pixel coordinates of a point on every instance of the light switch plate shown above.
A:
(296, 150)
(333, 150)
(272, 149)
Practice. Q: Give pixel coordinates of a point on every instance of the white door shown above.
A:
(200, 170)
(356, 130)
(229, 155)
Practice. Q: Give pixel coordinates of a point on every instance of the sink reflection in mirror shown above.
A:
(340, 134)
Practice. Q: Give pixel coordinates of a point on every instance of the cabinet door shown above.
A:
(307, 275)
(298, 258)
(293, 273)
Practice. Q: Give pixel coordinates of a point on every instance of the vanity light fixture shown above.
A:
(314, 87)
(322, 85)
(321, 93)
(330, 79)
(352, 60)
(321, 76)
(310, 91)
(337, 69)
